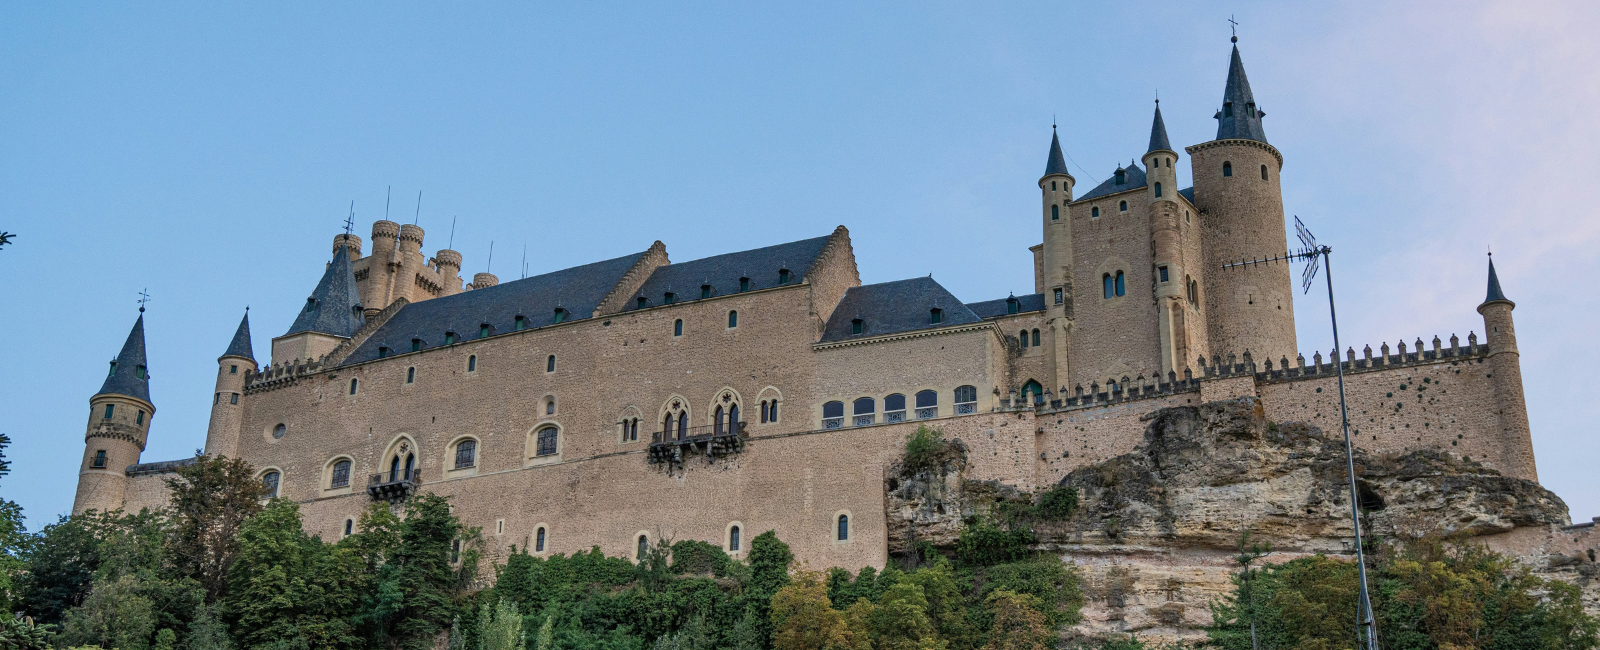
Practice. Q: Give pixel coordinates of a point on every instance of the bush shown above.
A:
(1057, 504)
(982, 544)
(927, 450)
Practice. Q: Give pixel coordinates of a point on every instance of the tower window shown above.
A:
(856, 326)
(1158, 190)
(416, 345)
(1227, 109)
(705, 291)
(935, 315)
(411, 374)
(138, 371)
(1094, 212)
(233, 370)
(1058, 296)
(466, 454)
(233, 399)
(472, 363)
(783, 276)
(1122, 206)
(677, 327)
(546, 442)
(550, 363)
(139, 419)
(733, 319)
(1052, 186)
(111, 409)
(669, 298)
(1121, 289)
(733, 539)
(341, 478)
(113, 369)
(353, 383)
(1163, 271)
(99, 459)
(1227, 168)
(744, 284)
(1263, 172)
(1036, 337)
(538, 540)
(844, 528)
(1055, 213)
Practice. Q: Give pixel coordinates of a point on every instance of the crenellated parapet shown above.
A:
(280, 375)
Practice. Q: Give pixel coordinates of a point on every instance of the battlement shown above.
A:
(280, 375)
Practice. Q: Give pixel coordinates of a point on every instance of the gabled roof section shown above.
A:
(1495, 294)
(1132, 178)
(577, 291)
(1158, 133)
(1188, 193)
(722, 272)
(1055, 164)
(240, 345)
(129, 376)
(895, 307)
(335, 306)
(995, 308)
(1240, 118)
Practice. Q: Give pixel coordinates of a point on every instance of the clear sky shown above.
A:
(210, 151)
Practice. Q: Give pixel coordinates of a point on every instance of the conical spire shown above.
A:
(1495, 294)
(335, 306)
(1239, 118)
(129, 375)
(1158, 133)
(1056, 164)
(240, 345)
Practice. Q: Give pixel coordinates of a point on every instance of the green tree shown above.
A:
(900, 620)
(1018, 624)
(804, 619)
(286, 584)
(210, 500)
(422, 584)
(946, 607)
(500, 627)
(15, 541)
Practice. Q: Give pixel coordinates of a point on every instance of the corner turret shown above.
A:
(1505, 374)
(1167, 233)
(222, 434)
(1054, 274)
(119, 423)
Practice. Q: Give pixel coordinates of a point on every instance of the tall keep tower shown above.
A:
(1055, 189)
(222, 434)
(119, 421)
(1241, 214)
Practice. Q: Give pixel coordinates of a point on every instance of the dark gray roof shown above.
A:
(992, 308)
(335, 306)
(1188, 193)
(1055, 164)
(894, 307)
(1132, 179)
(240, 345)
(124, 378)
(722, 272)
(161, 467)
(577, 290)
(1494, 286)
(1158, 133)
(1245, 122)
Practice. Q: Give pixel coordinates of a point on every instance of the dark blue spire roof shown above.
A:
(1158, 133)
(1495, 294)
(1239, 118)
(1056, 164)
(128, 373)
(240, 345)
(335, 306)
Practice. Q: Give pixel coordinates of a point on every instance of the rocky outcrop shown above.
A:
(1157, 527)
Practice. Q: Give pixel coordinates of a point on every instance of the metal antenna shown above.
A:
(1311, 253)
(144, 297)
(487, 267)
(418, 216)
(350, 221)
(524, 260)
(452, 245)
(386, 195)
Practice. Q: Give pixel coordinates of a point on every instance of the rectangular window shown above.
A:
(1163, 274)
(744, 284)
(233, 370)
(233, 399)
(111, 409)
(1058, 296)
(216, 399)
(411, 376)
(99, 459)
(140, 419)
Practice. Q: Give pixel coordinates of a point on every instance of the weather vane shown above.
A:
(1233, 26)
(350, 221)
(144, 297)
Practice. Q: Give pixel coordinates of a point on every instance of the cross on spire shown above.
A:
(1233, 26)
(144, 297)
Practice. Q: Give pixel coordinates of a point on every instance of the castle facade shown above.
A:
(635, 400)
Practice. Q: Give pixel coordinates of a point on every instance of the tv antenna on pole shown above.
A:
(1312, 252)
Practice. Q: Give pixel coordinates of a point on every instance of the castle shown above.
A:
(636, 399)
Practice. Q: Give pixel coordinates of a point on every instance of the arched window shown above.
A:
(545, 442)
(966, 400)
(411, 374)
(772, 411)
(1094, 212)
(844, 528)
(538, 540)
(550, 363)
(733, 319)
(1052, 186)
(733, 539)
(1036, 337)
(466, 454)
(1122, 206)
(683, 424)
(833, 415)
(394, 468)
(1227, 168)
(353, 383)
(341, 476)
(349, 527)
(763, 411)
(863, 409)
(677, 327)
(1023, 336)
(1055, 212)
(1194, 291)
(1108, 288)
(927, 402)
(733, 419)
(1158, 189)
(411, 464)
(1121, 288)
(894, 408)
(1263, 172)
(644, 547)
(472, 363)
(716, 421)
(549, 406)
(269, 484)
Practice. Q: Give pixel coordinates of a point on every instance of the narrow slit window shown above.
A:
(1227, 168)
(538, 541)
(139, 419)
(1158, 190)
(1163, 271)
(733, 319)
(1058, 296)
(844, 528)
(1035, 338)
(353, 384)
(472, 363)
(111, 410)
(1108, 288)
(644, 547)
(733, 539)
(677, 327)
(550, 363)
(349, 527)
(1263, 172)
(411, 375)
(1055, 213)
(1121, 287)
(1023, 336)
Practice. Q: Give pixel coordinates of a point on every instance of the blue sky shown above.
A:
(210, 152)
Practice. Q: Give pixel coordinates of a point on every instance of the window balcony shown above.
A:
(712, 439)
(863, 420)
(928, 413)
(966, 408)
(833, 423)
(890, 417)
(393, 487)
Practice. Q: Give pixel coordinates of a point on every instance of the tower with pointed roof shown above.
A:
(119, 423)
(1173, 270)
(1240, 200)
(1054, 274)
(1505, 373)
(222, 433)
(330, 316)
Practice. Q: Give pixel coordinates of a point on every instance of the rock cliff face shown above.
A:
(1157, 527)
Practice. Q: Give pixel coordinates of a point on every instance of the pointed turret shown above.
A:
(335, 306)
(1495, 294)
(1057, 164)
(129, 375)
(240, 345)
(1239, 118)
(1158, 133)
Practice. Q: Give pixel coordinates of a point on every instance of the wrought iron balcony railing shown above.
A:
(393, 486)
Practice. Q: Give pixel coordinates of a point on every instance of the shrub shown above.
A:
(927, 450)
(1057, 504)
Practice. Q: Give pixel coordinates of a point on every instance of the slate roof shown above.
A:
(124, 378)
(162, 467)
(335, 305)
(1055, 164)
(240, 345)
(1245, 123)
(1188, 193)
(993, 308)
(895, 307)
(1494, 286)
(578, 290)
(1133, 179)
(722, 272)
(1158, 133)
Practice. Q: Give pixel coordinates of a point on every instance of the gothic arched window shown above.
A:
(1023, 335)
(677, 327)
(269, 484)
(1036, 337)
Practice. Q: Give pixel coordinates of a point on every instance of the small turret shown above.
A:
(119, 423)
(449, 264)
(222, 434)
(1505, 374)
(1160, 178)
(1054, 274)
(1167, 229)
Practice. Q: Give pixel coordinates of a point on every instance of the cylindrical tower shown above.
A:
(1241, 211)
(1505, 375)
(380, 270)
(119, 423)
(411, 262)
(1055, 191)
(449, 265)
(1167, 264)
(351, 244)
(227, 400)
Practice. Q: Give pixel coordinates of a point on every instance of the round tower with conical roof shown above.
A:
(222, 434)
(1241, 217)
(1169, 265)
(1505, 375)
(1055, 189)
(119, 423)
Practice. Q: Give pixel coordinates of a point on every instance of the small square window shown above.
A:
(233, 370)
(99, 459)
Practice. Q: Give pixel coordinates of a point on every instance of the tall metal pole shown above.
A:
(1365, 606)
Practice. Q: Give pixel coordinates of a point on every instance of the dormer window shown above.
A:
(669, 298)
(311, 303)
(783, 276)
(643, 302)
(744, 284)
(1121, 177)
(1013, 305)
(383, 351)
(705, 291)
(561, 315)
(520, 322)
(935, 316)
(1227, 109)
(113, 369)
(416, 345)
(483, 331)
(138, 371)
(857, 326)
(1250, 109)
(449, 338)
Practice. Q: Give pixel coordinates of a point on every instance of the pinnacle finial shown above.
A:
(144, 297)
